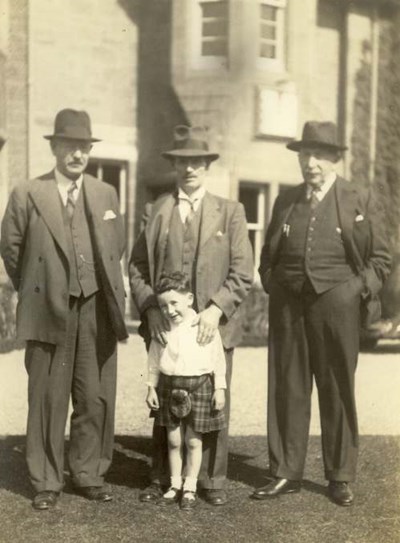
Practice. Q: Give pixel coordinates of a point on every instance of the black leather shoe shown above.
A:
(45, 500)
(95, 493)
(216, 496)
(151, 494)
(275, 488)
(188, 501)
(170, 497)
(340, 493)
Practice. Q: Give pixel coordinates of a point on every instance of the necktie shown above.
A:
(191, 213)
(70, 205)
(314, 199)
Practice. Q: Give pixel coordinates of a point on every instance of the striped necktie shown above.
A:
(70, 205)
(314, 201)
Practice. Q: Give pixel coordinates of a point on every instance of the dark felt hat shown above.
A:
(318, 134)
(72, 125)
(190, 141)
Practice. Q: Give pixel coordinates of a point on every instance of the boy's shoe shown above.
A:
(170, 497)
(188, 501)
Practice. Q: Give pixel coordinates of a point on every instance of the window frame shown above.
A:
(277, 63)
(259, 228)
(200, 61)
(123, 177)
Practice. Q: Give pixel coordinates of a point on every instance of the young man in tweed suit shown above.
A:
(214, 250)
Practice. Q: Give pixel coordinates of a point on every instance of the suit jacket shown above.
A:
(224, 265)
(34, 249)
(363, 233)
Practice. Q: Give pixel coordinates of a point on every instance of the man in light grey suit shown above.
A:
(205, 236)
(62, 239)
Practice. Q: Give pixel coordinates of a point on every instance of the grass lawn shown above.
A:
(307, 517)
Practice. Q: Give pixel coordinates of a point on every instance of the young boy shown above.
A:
(186, 387)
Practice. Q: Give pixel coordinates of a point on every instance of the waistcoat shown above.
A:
(83, 270)
(313, 247)
(182, 245)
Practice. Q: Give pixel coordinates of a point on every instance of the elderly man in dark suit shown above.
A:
(325, 254)
(204, 236)
(62, 239)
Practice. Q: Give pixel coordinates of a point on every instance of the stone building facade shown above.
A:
(251, 70)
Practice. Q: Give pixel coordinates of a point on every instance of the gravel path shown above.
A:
(378, 385)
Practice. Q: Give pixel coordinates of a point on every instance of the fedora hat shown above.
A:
(71, 124)
(318, 134)
(190, 141)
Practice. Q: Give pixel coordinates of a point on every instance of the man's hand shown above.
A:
(208, 321)
(218, 399)
(158, 325)
(152, 399)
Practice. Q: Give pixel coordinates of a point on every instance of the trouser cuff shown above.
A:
(216, 483)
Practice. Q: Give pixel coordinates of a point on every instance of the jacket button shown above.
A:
(40, 259)
(111, 257)
(37, 289)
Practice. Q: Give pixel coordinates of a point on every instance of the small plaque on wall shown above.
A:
(276, 113)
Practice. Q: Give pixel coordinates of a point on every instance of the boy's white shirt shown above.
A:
(184, 356)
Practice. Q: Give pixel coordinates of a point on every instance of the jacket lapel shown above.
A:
(157, 233)
(91, 199)
(46, 197)
(209, 218)
(285, 210)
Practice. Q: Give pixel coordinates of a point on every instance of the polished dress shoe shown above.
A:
(216, 496)
(95, 493)
(340, 493)
(275, 488)
(45, 500)
(151, 494)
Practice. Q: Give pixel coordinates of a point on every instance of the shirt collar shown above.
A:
(323, 189)
(64, 182)
(196, 195)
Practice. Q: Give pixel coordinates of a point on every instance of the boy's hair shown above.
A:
(173, 281)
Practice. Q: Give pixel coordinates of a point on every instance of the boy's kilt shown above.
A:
(202, 417)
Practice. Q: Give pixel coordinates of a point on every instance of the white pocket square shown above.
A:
(359, 218)
(109, 214)
(219, 234)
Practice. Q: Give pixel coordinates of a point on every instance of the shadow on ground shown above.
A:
(307, 517)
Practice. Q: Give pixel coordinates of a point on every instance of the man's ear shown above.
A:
(190, 298)
(339, 156)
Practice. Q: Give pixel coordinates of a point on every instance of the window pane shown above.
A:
(214, 9)
(268, 31)
(249, 196)
(215, 28)
(267, 50)
(268, 12)
(215, 48)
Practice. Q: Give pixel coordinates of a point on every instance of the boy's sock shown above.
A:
(176, 482)
(190, 484)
